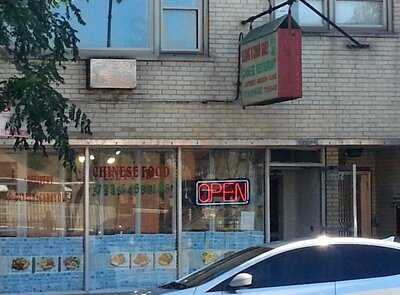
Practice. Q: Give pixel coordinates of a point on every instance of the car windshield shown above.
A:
(217, 268)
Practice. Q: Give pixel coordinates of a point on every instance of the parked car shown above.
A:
(323, 266)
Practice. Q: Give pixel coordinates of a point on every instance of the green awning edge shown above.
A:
(269, 28)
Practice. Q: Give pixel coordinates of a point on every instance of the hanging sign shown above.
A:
(222, 192)
(270, 65)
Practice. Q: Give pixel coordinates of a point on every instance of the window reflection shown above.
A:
(210, 232)
(359, 13)
(132, 218)
(41, 223)
(38, 197)
(132, 192)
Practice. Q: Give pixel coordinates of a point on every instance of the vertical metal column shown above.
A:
(22, 207)
(355, 225)
(211, 175)
(86, 244)
(323, 191)
(179, 215)
(174, 192)
(267, 193)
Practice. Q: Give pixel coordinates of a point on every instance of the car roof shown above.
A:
(325, 241)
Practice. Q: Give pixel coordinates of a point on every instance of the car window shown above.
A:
(363, 261)
(302, 266)
(216, 269)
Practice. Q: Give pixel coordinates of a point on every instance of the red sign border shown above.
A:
(223, 180)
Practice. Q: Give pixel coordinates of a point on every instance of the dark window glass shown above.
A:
(303, 266)
(295, 156)
(218, 268)
(361, 262)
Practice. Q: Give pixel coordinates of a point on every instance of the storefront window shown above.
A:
(212, 231)
(133, 214)
(295, 206)
(41, 224)
(132, 218)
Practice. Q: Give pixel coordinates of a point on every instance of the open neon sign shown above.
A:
(222, 192)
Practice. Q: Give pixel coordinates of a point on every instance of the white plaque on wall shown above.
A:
(112, 73)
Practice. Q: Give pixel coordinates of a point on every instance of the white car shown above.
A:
(323, 266)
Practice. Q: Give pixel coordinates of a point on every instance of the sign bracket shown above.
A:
(355, 44)
(238, 78)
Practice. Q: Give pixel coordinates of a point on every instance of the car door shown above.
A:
(306, 271)
(365, 269)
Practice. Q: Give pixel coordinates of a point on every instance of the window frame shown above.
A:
(125, 52)
(154, 51)
(200, 27)
(330, 11)
(386, 25)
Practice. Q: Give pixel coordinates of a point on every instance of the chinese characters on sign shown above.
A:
(259, 74)
(222, 192)
(270, 64)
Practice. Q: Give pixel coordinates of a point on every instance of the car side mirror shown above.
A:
(241, 280)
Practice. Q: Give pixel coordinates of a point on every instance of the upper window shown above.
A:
(141, 25)
(362, 262)
(365, 13)
(302, 14)
(115, 24)
(181, 25)
(357, 14)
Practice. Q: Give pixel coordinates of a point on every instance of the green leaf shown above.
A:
(38, 41)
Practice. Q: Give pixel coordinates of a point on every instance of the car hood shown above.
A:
(159, 291)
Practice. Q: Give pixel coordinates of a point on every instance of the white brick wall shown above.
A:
(347, 93)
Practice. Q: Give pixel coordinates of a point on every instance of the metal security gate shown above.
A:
(354, 218)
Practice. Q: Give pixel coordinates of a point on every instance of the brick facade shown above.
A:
(347, 94)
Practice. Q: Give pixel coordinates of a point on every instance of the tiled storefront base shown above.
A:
(29, 273)
(41, 264)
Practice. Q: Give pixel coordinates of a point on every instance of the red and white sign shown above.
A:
(222, 192)
(270, 65)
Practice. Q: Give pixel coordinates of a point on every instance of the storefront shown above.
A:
(377, 191)
(148, 213)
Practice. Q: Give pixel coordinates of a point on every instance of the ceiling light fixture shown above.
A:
(111, 160)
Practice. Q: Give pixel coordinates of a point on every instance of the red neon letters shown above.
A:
(220, 192)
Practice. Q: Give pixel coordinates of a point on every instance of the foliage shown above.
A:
(37, 38)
